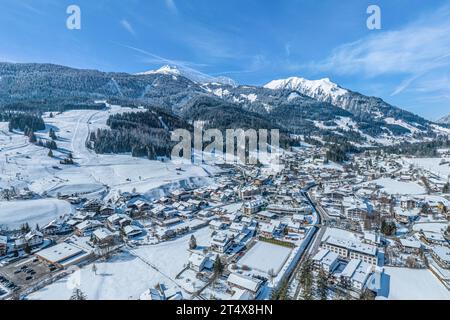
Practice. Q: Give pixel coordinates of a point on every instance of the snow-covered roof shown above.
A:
(442, 252)
(216, 223)
(237, 226)
(132, 230)
(88, 224)
(151, 294)
(241, 294)
(102, 233)
(330, 258)
(410, 243)
(267, 227)
(266, 214)
(434, 236)
(353, 245)
(362, 272)
(197, 259)
(59, 252)
(326, 257)
(32, 234)
(350, 268)
(3, 239)
(245, 282)
(319, 255)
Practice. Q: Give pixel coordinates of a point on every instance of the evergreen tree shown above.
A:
(32, 137)
(52, 134)
(27, 249)
(367, 295)
(306, 280)
(50, 153)
(25, 228)
(446, 188)
(77, 294)
(388, 228)
(192, 243)
(218, 267)
(50, 144)
(281, 292)
(322, 285)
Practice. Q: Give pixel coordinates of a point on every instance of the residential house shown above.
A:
(86, 227)
(198, 262)
(103, 236)
(441, 255)
(132, 231)
(3, 245)
(32, 239)
(221, 242)
(244, 282)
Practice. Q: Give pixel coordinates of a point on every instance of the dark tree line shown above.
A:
(421, 149)
(144, 134)
(23, 122)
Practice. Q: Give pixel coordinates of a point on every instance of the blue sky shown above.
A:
(407, 62)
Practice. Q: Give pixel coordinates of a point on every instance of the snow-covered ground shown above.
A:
(412, 284)
(15, 213)
(264, 256)
(24, 165)
(128, 274)
(392, 186)
(432, 165)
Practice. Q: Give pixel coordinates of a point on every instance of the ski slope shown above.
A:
(27, 166)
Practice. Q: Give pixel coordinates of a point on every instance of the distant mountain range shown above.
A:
(445, 120)
(191, 74)
(313, 108)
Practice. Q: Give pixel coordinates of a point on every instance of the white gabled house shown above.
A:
(132, 231)
(33, 239)
(198, 262)
(242, 282)
(86, 227)
(221, 242)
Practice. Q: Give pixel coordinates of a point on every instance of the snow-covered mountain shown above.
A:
(168, 70)
(191, 74)
(323, 89)
(317, 108)
(445, 120)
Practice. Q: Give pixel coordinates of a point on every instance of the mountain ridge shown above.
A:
(301, 106)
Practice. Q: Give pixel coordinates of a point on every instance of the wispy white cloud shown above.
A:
(171, 5)
(287, 49)
(127, 26)
(418, 51)
(153, 58)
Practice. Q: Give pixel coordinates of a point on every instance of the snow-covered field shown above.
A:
(264, 256)
(128, 274)
(15, 213)
(432, 165)
(392, 186)
(412, 284)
